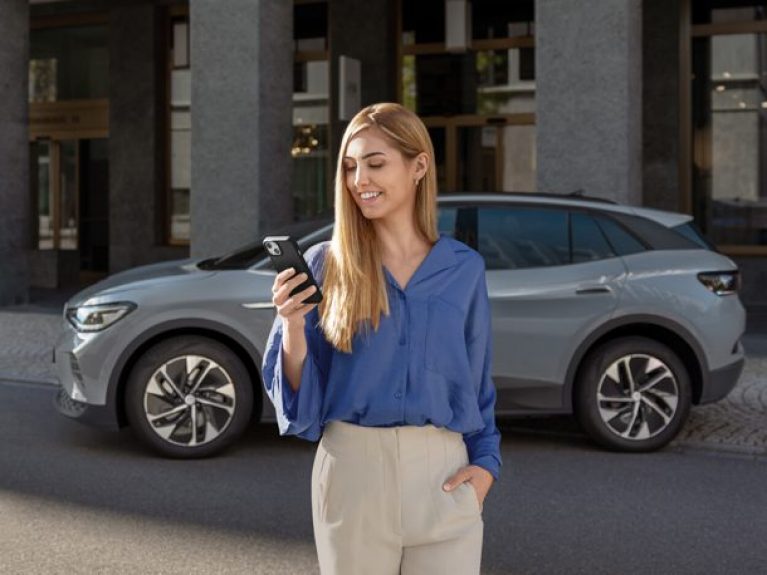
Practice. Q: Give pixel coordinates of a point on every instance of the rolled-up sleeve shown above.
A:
(298, 412)
(483, 446)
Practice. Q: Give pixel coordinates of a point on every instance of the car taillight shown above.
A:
(721, 283)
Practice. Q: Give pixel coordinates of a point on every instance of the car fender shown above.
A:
(616, 323)
(119, 369)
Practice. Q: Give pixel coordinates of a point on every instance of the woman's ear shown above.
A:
(422, 163)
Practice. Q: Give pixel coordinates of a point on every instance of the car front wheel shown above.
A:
(188, 396)
(632, 394)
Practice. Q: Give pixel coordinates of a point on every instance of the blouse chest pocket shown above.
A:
(445, 349)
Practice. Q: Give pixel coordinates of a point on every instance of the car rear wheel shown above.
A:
(188, 396)
(633, 394)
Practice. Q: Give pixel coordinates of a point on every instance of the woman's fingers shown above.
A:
(282, 286)
(295, 305)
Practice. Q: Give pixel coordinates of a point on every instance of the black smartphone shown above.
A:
(285, 253)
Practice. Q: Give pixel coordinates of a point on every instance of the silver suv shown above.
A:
(623, 316)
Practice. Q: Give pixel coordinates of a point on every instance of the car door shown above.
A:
(552, 278)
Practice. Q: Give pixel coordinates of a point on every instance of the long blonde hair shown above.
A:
(354, 284)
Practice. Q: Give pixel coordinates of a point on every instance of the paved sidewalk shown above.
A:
(736, 424)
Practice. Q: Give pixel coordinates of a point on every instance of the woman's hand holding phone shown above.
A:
(291, 309)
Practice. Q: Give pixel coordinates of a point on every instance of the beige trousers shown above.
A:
(378, 506)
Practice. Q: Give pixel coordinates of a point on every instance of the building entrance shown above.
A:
(70, 192)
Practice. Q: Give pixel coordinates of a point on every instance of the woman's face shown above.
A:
(371, 164)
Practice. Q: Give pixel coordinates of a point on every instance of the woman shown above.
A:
(404, 411)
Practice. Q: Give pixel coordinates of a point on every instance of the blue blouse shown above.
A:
(429, 361)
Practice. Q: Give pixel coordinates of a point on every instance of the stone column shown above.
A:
(588, 97)
(15, 197)
(133, 144)
(242, 91)
(365, 31)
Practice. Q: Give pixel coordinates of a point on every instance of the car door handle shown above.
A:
(258, 305)
(591, 289)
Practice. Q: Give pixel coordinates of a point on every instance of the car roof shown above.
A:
(663, 217)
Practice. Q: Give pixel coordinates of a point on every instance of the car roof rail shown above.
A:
(575, 195)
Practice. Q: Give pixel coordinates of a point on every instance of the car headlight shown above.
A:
(721, 283)
(99, 316)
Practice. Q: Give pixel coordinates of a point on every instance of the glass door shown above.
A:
(56, 192)
(70, 188)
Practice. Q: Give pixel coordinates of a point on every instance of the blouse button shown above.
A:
(398, 395)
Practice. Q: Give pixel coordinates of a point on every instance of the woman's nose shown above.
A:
(360, 177)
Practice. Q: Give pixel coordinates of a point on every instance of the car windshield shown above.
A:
(249, 254)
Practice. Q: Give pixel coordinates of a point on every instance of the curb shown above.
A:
(713, 448)
(18, 379)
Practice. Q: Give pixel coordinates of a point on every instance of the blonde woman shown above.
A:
(391, 371)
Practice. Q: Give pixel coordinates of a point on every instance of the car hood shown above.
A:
(141, 276)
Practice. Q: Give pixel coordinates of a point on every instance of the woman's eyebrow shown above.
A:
(365, 156)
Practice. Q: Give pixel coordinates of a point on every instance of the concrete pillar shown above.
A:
(15, 198)
(660, 104)
(133, 144)
(365, 31)
(242, 90)
(588, 97)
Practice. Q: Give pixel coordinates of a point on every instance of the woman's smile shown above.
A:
(370, 197)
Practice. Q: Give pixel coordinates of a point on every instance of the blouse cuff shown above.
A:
(489, 463)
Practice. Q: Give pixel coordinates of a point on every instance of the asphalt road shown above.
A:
(79, 500)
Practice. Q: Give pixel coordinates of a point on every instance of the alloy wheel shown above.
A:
(637, 396)
(189, 400)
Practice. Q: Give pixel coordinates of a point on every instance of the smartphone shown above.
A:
(285, 253)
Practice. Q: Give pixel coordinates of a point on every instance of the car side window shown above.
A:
(587, 240)
(622, 242)
(522, 237)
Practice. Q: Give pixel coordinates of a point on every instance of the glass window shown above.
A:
(505, 81)
(180, 112)
(520, 237)
(621, 241)
(70, 63)
(41, 154)
(423, 22)
(721, 11)
(311, 118)
(496, 158)
(55, 182)
(310, 26)
(501, 18)
(446, 221)
(68, 194)
(486, 82)
(692, 232)
(588, 241)
(730, 138)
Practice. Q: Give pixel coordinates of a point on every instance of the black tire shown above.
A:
(642, 421)
(226, 390)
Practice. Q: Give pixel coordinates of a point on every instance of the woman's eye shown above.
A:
(376, 166)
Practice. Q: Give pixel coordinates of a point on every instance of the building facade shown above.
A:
(139, 131)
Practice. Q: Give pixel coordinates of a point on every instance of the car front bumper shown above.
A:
(102, 416)
(80, 389)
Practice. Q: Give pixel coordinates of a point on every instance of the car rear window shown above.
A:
(653, 234)
(621, 240)
(692, 232)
